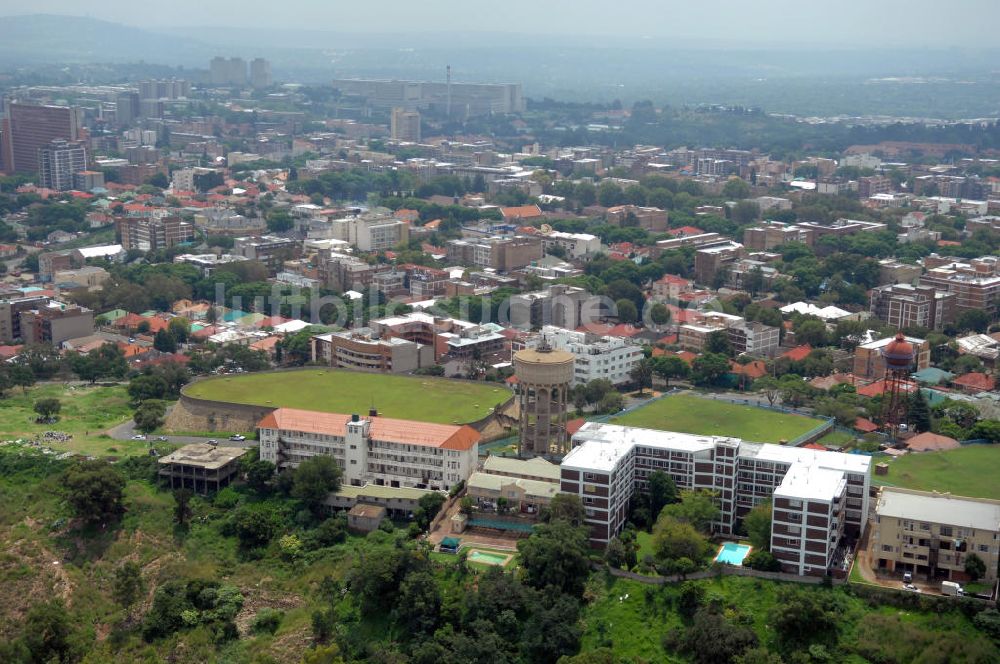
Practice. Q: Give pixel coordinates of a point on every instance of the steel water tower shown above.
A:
(898, 355)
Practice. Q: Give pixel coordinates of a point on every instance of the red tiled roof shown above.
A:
(879, 386)
(667, 340)
(798, 353)
(406, 432)
(7, 352)
(574, 425)
(864, 425)
(755, 369)
(814, 446)
(975, 380)
(685, 230)
(521, 212)
(687, 356)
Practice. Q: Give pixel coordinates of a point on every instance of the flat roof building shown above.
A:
(201, 467)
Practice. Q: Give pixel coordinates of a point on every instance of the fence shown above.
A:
(815, 434)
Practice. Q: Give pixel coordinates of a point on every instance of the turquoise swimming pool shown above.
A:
(732, 553)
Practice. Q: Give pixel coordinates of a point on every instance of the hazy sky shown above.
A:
(875, 23)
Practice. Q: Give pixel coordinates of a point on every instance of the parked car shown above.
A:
(213, 441)
(139, 436)
(907, 577)
(163, 438)
(237, 437)
(912, 588)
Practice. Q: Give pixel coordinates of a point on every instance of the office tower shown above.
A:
(59, 162)
(405, 125)
(127, 108)
(228, 72)
(32, 127)
(260, 73)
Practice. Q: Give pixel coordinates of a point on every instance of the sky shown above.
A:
(841, 23)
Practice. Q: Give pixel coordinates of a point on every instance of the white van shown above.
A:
(951, 589)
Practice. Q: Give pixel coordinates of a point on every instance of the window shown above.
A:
(925, 526)
(887, 548)
(795, 503)
(984, 548)
(945, 531)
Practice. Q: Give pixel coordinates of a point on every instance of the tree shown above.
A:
(279, 221)
(48, 633)
(712, 639)
(718, 342)
(800, 617)
(419, 602)
(314, 480)
(564, 507)
(670, 366)
(769, 386)
(975, 567)
(255, 525)
(148, 417)
(627, 312)
(556, 556)
(811, 331)
(736, 188)
(674, 540)
(659, 314)
(108, 361)
(47, 409)
(642, 374)
(21, 375)
(258, 472)
(127, 584)
(429, 505)
(919, 412)
(973, 320)
(662, 492)
(762, 560)
(614, 553)
(164, 342)
(757, 523)
(94, 490)
(745, 212)
(709, 368)
(147, 386)
(182, 506)
(698, 508)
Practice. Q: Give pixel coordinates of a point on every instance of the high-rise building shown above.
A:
(59, 162)
(405, 125)
(228, 72)
(152, 234)
(260, 73)
(29, 127)
(164, 89)
(127, 108)
(903, 305)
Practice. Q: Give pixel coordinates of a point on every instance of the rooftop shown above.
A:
(811, 482)
(536, 467)
(944, 508)
(203, 455)
(386, 429)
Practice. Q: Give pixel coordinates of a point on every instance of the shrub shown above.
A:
(226, 498)
(267, 621)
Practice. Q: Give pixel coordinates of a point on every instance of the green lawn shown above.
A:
(692, 414)
(968, 471)
(406, 397)
(87, 412)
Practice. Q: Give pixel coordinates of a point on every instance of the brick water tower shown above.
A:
(898, 355)
(543, 378)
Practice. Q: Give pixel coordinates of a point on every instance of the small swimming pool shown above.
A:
(487, 558)
(732, 553)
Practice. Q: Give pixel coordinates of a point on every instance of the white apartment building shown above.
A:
(373, 231)
(374, 449)
(576, 245)
(610, 358)
(609, 463)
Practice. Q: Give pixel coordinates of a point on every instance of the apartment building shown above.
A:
(609, 463)
(595, 356)
(871, 185)
(498, 253)
(576, 245)
(153, 233)
(770, 234)
(464, 99)
(869, 364)
(373, 231)
(751, 338)
(903, 305)
(972, 289)
(808, 519)
(933, 534)
(559, 305)
(10, 314)
(374, 449)
(342, 272)
(269, 249)
(651, 219)
(711, 258)
(364, 350)
(60, 162)
(840, 228)
(260, 73)
(54, 322)
(404, 125)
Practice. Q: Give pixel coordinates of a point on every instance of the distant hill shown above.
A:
(43, 38)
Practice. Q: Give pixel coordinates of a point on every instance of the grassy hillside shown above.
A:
(419, 398)
(967, 471)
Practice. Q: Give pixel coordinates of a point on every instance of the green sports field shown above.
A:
(421, 398)
(691, 414)
(968, 471)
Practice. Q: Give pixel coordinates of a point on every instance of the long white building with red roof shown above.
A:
(373, 449)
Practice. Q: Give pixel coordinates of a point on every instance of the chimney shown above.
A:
(372, 412)
(354, 417)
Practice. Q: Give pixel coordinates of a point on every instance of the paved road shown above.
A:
(126, 430)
